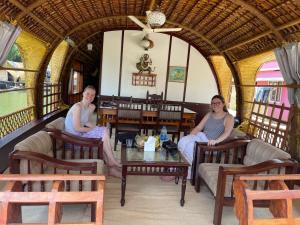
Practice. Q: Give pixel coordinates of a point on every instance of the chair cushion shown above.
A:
(39, 142)
(237, 133)
(59, 124)
(259, 151)
(209, 173)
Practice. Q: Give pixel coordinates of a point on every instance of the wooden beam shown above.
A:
(48, 27)
(205, 39)
(17, 69)
(152, 5)
(30, 8)
(292, 23)
(261, 16)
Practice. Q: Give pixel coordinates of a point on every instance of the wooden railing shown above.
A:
(51, 97)
(269, 122)
(13, 121)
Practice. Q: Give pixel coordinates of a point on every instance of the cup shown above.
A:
(129, 143)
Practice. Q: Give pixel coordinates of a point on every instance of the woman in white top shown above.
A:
(78, 122)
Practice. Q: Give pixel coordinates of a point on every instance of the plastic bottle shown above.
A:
(163, 135)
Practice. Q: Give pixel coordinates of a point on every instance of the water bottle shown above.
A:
(163, 135)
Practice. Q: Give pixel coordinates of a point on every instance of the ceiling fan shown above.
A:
(154, 19)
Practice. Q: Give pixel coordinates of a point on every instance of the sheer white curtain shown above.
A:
(288, 58)
(8, 36)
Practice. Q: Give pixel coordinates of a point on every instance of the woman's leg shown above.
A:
(108, 153)
(113, 165)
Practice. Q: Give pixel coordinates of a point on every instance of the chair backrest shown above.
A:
(129, 111)
(58, 123)
(259, 151)
(39, 142)
(170, 112)
(153, 100)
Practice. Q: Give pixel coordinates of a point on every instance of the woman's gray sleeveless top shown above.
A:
(214, 127)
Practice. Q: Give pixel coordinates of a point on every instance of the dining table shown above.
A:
(107, 115)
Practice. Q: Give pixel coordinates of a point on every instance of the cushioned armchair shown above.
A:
(67, 145)
(37, 155)
(218, 165)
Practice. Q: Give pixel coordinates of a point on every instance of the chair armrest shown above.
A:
(202, 150)
(16, 156)
(289, 164)
(68, 136)
(260, 167)
(204, 153)
(65, 137)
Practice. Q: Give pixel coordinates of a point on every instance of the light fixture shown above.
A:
(89, 46)
(147, 43)
(70, 41)
(156, 18)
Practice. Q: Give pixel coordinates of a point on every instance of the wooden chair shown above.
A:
(129, 119)
(69, 146)
(218, 165)
(153, 101)
(278, 194)
(170, 115)
(13, 197)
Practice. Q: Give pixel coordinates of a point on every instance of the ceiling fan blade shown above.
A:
(166, 30)
(138, 22)
(147, 14)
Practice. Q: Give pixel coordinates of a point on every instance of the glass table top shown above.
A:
(161, 155)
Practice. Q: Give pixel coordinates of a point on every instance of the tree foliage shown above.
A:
(14, 54)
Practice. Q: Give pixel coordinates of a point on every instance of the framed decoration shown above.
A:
(177, 74)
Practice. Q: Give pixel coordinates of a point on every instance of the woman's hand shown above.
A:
(212, 142)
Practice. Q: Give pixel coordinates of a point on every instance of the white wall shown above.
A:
(111, 62)
(179, 51)
(201, 84)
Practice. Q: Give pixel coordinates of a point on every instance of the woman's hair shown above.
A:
(221, 98)
(89, 87)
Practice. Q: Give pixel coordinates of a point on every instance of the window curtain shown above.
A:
(8, 36)
(288, 58)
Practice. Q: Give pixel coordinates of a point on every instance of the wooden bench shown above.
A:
(12, 198)
(278, 193)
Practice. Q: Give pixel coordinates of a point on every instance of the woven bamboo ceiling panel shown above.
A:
(238, 28)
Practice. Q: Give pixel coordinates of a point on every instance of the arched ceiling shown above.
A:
(239, 28)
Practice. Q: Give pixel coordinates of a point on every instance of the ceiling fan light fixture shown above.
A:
(156, 18)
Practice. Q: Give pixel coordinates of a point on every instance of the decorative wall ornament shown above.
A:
(177, 74)
(145, 64)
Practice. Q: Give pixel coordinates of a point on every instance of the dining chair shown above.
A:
(153, 100)
(129, 118)
(170, 115)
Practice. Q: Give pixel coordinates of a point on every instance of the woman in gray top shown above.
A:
(215, 127)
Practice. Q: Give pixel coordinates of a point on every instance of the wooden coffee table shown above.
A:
(159, 163)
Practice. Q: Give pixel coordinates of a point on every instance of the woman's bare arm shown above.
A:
(201, 125)
(76, 121)
(90, 123)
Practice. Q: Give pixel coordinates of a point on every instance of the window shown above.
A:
(275, 94)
